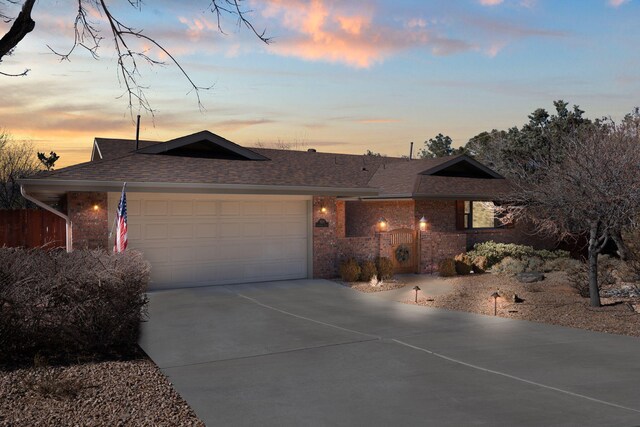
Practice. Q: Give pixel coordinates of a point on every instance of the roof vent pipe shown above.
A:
(410, 150)
(138, 133)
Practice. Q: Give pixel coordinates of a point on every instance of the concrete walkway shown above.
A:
(311, 352)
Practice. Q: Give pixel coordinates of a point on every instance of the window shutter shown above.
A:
(460, 214)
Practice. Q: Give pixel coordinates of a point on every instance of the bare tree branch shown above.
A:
(87, 36)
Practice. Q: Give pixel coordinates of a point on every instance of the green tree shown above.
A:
(439, 146)
(533, 146)
(48, 161)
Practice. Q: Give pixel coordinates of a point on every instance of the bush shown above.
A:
(496, 252)
(350, 270)
(560, 264)
(384, 267)
(480, 264)
(447, 267)
(578, 277)
(368, 271)
(65, 306)
(509, 266)
(463, 264)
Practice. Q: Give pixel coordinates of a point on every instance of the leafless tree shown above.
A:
(87, 35)
(593, 190)
(17, 160)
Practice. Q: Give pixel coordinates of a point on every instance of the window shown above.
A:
(476, 214)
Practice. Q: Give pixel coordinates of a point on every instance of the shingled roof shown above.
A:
(207, 160)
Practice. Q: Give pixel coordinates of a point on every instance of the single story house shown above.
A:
(205, 210)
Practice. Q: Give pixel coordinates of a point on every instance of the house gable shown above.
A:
(462, 167)
(203, 144)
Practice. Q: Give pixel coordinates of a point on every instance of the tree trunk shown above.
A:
(623, 250)
(594, 249)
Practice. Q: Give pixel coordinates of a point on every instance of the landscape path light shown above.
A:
(495, 296)
(416, 288)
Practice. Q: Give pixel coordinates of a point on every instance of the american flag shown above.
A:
(121, 224)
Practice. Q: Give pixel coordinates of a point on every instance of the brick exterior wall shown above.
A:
(436, 246)
(325, 239)
(360, 248)
(90, 227)
(362, 217)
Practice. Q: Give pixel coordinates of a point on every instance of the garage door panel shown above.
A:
(181, 208)
(155, 231)
(205, 208)
(206, 231)
(293, 208)
(230, 208)
(252, 230)
(197, 240)
(181, 231)
(155, 208)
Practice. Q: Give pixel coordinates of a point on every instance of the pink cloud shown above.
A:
(490, 2)
(328, 30)
(617, 3)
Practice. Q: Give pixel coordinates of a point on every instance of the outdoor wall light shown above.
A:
(382, 223)
(323, 209)
(423, 223)
(96, 207)
(495, 296)
(416, 288)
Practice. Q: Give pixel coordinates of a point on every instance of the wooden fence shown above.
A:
(31, 228)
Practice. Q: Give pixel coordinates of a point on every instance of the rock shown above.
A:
(531, 277)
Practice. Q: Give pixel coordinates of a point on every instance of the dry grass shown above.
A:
(550, 301)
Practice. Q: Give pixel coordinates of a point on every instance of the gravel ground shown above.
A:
(129, 393)
(549, 301)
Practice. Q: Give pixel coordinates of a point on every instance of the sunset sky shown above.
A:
(342, 76)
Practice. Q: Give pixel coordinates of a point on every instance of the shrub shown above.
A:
(64, 306)
(367, 271)
(447, 267)
(496, 252)
(560, 264)
(509, 266)
(480, 264)
(463, 264)
(384, 267)
(578, 277)
(350, 270)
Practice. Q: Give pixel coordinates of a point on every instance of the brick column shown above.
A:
(88, 214)
(325, 241)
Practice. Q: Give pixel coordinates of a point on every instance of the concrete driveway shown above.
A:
(310, 352)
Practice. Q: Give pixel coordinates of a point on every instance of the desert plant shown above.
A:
(560, 264)
(496, 252)
(368, 270)
(384, 266)
(480, 264)
(350, 270)
(447, 267)
(578, 277)
(87, 303)
(463, 264)
(509, 266)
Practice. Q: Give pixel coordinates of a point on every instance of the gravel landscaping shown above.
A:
(115, 393)
(367, 287)
(552, 301)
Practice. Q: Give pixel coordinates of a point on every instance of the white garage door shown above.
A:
(199, 240)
